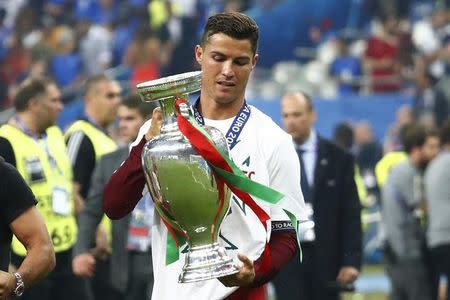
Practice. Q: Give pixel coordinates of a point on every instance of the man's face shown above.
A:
(130, 120)
(297, 117)
(226, 64)
(430, 149)
(106, 98)
(49, 106)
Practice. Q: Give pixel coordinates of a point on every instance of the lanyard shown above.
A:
(42, 141)
(236, 127)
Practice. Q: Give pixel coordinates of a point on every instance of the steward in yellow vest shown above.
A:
(46, 169)
(101, 145)
(87, 141)
(35, 146)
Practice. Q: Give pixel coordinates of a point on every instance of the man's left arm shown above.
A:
(350, 225)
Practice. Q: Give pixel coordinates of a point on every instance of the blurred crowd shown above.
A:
(72, 40)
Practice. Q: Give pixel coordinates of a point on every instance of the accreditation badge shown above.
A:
(34, 169)
(60, 201)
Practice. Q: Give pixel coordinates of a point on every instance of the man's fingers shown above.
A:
(247, 262)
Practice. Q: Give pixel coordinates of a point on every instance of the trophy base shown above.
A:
(206, 262)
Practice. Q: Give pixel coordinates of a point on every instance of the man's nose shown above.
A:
(227, 69)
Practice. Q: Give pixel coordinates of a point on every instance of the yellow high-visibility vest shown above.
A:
(385, 164)
(46, 168)
(102, 144)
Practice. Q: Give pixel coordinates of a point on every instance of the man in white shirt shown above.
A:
(262, 150)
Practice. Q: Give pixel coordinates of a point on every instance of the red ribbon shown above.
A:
(204, 147)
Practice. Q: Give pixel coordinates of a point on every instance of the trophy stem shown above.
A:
(206, 262)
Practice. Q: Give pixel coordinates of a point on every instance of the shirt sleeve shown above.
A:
(82, 156)
(18, 197)
(283, 247)
(284, 172)
(7, 152)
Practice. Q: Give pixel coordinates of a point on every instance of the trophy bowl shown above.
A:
(182, 184)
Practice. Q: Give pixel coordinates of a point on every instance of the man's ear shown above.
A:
(255, 60)
(32, 103)
(198, 54)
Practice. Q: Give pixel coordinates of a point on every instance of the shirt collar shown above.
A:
(310, 144)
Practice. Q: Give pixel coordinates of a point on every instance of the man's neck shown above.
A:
(302, 140)
(210, 109)
(90, 113)
(29, 122)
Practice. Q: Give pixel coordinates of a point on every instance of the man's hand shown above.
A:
(83, 265)
(156, 123)
(244, 277)
(347, 275)
(7, 284)
(102, 248)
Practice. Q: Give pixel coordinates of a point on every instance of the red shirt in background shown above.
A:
(383, 79)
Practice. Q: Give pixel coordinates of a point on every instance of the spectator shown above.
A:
(65, 64)
(147, 66)
(381, 57)
(332, 250)
(431, 38)
(345, 68)
(430, 101)
(95, 47)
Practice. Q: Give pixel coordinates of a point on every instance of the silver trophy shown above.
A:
(181, 182)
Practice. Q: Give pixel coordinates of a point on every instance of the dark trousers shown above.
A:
(410, 279)
(61, 283)
(301, 280)
(440, 256)
(100, 285)
(140, 276)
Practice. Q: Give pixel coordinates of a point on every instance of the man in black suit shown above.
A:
(131, 262)
(332, 249)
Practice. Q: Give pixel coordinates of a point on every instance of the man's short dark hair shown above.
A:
(309, 101)
(415, 135)
(91, 82)
(344, 135)
(145, 109)
(232, 24)
(29, 89)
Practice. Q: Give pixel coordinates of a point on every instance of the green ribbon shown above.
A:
(239, 180)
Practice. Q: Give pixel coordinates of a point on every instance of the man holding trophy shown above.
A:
(260, 234)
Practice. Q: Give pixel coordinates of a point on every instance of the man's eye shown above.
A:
(241, 62)
(218, 58)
